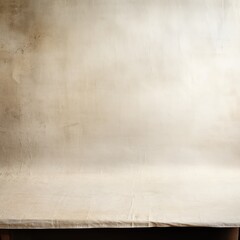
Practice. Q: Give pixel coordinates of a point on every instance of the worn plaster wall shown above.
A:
(105, 85)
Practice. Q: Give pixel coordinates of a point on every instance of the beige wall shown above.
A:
(113, 84)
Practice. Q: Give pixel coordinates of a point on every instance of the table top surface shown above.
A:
(146, 196)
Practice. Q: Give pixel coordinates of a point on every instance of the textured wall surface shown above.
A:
(116, 83)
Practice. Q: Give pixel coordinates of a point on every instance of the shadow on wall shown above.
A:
(19, 37)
